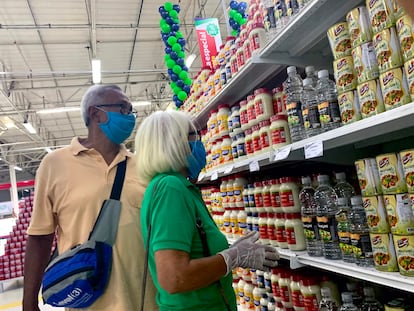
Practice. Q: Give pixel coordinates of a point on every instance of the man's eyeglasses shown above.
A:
(123, 108)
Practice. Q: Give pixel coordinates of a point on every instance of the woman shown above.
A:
(187, 275)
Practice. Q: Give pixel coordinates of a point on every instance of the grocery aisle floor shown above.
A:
(11, 297)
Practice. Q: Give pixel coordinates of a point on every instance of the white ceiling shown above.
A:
(46, 49)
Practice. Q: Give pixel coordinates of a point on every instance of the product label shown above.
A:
(251, 113)
(329, 112)
(258, 107)
(255, 41)
(258, 200)
(407, 159)
(226, 154)
(347, 105)
(297, 298)
(275, 199)
(310, 302)
(339, 40)
(263, 231)
(241, 150)
(278, 135)
(383, 252)
(370, 98)
(391, 176)
(375, 213)
(306, 122)
(361, 245)
(344, 75)
(290, 235)
(380, 14)
(249, 146)
(271, 233)
(251, 200)
(264, 140)
(256, 143)
(310, 228)
(284, 293)
(286, 198)
(294, 111)
(393, 90)
(281, 235)
(267, 201)
(327, 229)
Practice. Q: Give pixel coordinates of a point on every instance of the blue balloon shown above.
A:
(180, 62)
(178, 103)
(185, 68)
(242, 6)
(177, 8)
(187, 88)
(172, 34)
(174, 77)
(173, 55)
(164, 14)
(236, 26)
(234, 5)
(175, 98)
(181, 41)
(169, 20)
(175, 27)
(170, 72)
(168, 50)
(161, 9)
(180, 83)
(241, 11)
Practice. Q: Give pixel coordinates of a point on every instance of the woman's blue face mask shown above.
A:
(197, 158)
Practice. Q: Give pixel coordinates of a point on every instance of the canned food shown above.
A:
(339, 40)
(365, 62)
(376, 214)
(407, 159)
(384, 252)
(359, 26)
(394, 88)
(387, 50)
(405, 31)
(391, 173)
(381, 14)
(404, 247)
(409, 73)
(399, 213)
(344, 74)
(370, 98)
(398, 10)
(368, 177)
(349, 107)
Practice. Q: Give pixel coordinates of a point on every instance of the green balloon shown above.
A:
(234, 33)
(177, 69)
(182, 95)
(162, 22)
(173, 85)
(188, 81)
(168, 6)
(243, 21)
(173, 14)
(177, 90)
(166, 28)
(176, 47)
(238, 17)
(179, 34)
(170, 63)
(176, 20)
(167, 57)
(183, 75)
(172, 40)
(232, 13)
(180, 54)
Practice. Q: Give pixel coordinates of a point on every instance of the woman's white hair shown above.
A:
(161, 144)
(94, 96)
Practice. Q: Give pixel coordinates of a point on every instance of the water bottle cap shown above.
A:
(322, 178)
(323, 74)
(306, 180)
(291, 69)
(340, 176)
(309, 69)
(356, 200)
(307, 81)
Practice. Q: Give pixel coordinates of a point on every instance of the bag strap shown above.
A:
(106, 225)
(206, 253)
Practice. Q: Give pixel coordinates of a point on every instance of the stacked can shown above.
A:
(390, 215)
(393, 82)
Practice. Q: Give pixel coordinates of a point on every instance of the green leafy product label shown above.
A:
(327, 228)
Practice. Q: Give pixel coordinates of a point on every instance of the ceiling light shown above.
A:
(8, 123)
(29, 127)
(96, 71)
(18, 168)
(141, 103)
(58, 110)
(190, 59)
(48, 149)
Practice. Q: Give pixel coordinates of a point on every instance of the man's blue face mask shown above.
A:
(118, 127)
(197, 158)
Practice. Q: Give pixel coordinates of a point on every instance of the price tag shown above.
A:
(214, 176)
(314, 150)
(254, 166)
(282, 153)
(200, 177)
(228, 169)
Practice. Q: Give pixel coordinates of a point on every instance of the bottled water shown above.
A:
(361, 243)
(310, 112)
(327, 303)
(355, 289)
(344, 231)
(293, 88)
(370, 303)
(312, 74)
(326, 199)
(328, 102)
(342, 188)
(310, 224)
(347, 304)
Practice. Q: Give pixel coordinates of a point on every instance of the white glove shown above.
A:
(245, 253)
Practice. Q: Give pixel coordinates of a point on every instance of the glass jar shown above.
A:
(248, 143)
(257, 147)
(264, 238)
(241, 148)
(257, 37)
(279, 131)
(244, 119)
(275, 196)
(226, 152)
(289, 195)
(263, 105)
(235, 118)
(258, 196)
(271, 230)
(251, 114)
(280, 230)
(278, 100)
(294, 230)
(222, 120)
(265, 135)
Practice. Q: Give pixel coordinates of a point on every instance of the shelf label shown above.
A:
(200, 177)
(281, 153)
(314, 150)
(228, 169)
(214, 176)
(254, 166)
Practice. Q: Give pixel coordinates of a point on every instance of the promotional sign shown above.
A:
(209, 39)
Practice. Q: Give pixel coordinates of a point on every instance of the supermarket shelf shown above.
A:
(370, 131)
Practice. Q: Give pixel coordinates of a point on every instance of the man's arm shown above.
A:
(408, 5)
(37, 256)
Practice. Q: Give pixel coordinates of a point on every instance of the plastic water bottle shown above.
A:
(360, 239)
(327, 303)
(343, 188)
(370, 303)
(347, 304)
(312, 74)
(327, 208)
(310, 224)
(310, 112)
(344, 231)
(329, 113)
(293, 88)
